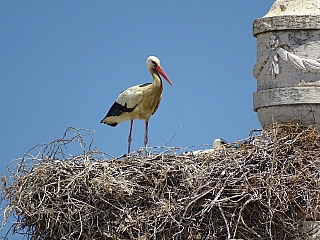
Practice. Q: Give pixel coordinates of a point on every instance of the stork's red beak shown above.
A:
(163, 74)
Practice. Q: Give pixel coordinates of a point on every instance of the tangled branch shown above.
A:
(257, 189)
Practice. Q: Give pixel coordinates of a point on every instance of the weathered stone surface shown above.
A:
(289, 14)
(288, 63)
(294, 7)
(286, 96)
(288, 58)
(307, 114)
(266, 24)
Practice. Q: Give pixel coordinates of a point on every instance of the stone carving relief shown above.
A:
(274, 51)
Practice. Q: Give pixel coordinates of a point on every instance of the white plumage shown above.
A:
(139, 102)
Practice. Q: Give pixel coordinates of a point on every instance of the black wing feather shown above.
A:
(115, 110)
(144, 84)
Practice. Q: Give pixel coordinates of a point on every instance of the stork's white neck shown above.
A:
(156, 79)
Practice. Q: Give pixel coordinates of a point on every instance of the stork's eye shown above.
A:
(154, 62)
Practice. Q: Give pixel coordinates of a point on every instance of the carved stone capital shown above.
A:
(288, 63)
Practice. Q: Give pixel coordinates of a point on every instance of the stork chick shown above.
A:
(139, 102)
(218, 143)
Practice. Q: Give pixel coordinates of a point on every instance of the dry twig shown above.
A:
(260, 189)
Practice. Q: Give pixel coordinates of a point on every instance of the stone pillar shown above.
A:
(288, 69)
(288, 63)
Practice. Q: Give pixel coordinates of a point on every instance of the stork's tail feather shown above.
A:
(110, 124)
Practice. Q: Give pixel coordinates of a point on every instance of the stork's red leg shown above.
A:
(130, 138)
(146, 137)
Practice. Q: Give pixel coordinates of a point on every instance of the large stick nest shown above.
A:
(259, 188)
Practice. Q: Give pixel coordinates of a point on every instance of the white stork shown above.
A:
(139, 102)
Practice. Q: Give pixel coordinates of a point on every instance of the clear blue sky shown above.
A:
(63, 63)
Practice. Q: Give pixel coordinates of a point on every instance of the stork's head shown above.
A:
(218, 143)
(154, 63)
